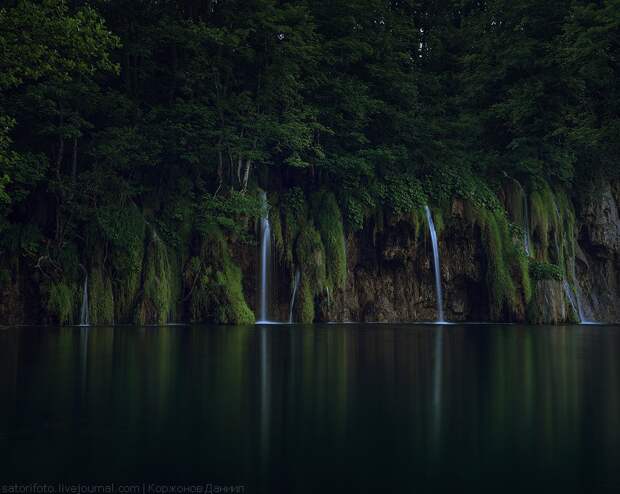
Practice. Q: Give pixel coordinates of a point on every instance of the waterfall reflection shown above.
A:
(437, 390)
(83, 358)
(277, 403)
(265, 399)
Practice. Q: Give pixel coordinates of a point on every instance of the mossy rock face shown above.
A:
(306, 308)
(62, 302)
(549, 305)
(546, 224)
(155, 299)
(540, 270)
(294, 218)
(100, 298)
(329, 224)
(310, 257)
(232, 307)
(213, 284)
(507, 271)
(127, 259)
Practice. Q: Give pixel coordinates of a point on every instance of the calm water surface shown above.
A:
(332, 408)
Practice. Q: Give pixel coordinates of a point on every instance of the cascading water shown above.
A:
(577, 290)
(438, 290)
(84, 316)
(571, 298)
(582, 316)
(294, 292)
(265, 257)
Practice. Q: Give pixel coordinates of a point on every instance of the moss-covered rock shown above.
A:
(155, 298)
(62, 302)
(507, 270)
(100, 298)
(127, 262)
(213, 283)
(540, 270)
(328, 219)
(310, 257)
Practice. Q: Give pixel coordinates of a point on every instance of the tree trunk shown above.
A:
(239, 165)
(246, 175)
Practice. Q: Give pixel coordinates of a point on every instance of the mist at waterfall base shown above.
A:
(322, 408)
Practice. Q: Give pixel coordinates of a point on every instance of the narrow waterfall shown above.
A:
(84, 317)
(294, 292)
(265, 258)
(571, 298)
(438, 290)
(577, 291)
(582, 315)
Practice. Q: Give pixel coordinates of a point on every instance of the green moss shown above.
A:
(306, 303)
(232, 308)
(569, 237)
(524, 276)
(540, 270)
(295, 215)
(176, 281)
(310, 256)
(156, 297)
(545, 223)
(498, 273)
(62, 302)
(127, 260)
(276, 228)
(418, 219)
(214, 283)
(197, 282)
(329, 224)
(438, 220)
(507, 273)
(100, 298)
(69, 260)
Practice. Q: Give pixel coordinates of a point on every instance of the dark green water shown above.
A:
(332, 408)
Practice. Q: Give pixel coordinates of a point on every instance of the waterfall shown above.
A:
(294, 292)
(575, 300)
(582, 316)
(84, 319)
(577, 290)
(571, 298)
(265, 258)
(438, 290)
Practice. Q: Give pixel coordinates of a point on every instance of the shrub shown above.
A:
(540, 270)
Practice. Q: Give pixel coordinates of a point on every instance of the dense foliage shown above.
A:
(119, 114)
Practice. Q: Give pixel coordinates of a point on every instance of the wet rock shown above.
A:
(549, 305)
(598, 255)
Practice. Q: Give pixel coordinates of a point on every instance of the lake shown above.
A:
(321, 408)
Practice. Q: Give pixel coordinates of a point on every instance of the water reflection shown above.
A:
(265, 398)
(291, 408)
(437, 389)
